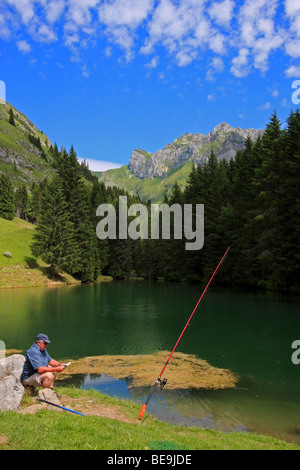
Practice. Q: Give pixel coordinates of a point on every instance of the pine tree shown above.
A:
(269, 182)
(21, 200)
(11, 118)
(215, 197)
(35, 203)
(77, 198)
(289, 207)
(7, 205)
(53, 240)
(240, 220)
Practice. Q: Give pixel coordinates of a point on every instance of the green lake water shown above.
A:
(249, 333)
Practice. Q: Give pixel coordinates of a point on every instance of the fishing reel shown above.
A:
(163, 383)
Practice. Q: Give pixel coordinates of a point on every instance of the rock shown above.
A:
(224, 139)
(30, 410)
(11, 389)
(49, 395)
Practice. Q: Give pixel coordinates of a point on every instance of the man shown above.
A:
(39, 368)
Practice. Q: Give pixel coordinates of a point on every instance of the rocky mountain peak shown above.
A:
(224, 139)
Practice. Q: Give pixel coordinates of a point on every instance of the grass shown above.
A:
(152, 189)
(23, 270)
(15, 237)
(23, 162)
(51, 430)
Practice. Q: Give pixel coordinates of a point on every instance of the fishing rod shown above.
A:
(163, 382)
(62, 407)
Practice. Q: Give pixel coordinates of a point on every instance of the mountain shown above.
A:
(26, 154)
(24, 149)
(153, 175)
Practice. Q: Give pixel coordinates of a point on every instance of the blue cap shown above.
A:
(42, 337)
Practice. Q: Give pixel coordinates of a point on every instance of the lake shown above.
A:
(249, 333)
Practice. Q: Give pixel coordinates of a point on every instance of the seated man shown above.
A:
(39, 368)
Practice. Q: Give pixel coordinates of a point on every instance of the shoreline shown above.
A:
(21, 276)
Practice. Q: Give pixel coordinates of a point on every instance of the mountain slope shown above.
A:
(146, 188)
(153, 175)
(23, 160)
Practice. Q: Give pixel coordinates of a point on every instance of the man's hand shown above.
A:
(58, 368)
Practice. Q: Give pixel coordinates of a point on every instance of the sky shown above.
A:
(110, 76)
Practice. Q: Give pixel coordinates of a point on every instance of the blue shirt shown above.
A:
(35, 358)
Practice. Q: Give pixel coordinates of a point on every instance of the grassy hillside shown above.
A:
(23, 161)
(153, 189)
(23, 270)
(15, 237)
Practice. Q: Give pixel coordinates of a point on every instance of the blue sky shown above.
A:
(109, 76)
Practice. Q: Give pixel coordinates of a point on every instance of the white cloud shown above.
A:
(153, 63)
(84, 71)
(45, 34)
(240, 64)
(54, 10)
(292, 47)
(292, 7)
(184, 30)
(129, 13)
(216, 66)
(121, 18)
(23, 46)
(222, 12)
(258, 31)
(25, 8)
(264, 107)
(99, 165)
(245, 33)
(293, 72)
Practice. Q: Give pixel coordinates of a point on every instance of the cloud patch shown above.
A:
(99, 165)
(244, 33)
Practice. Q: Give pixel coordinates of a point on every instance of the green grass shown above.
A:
(153, 189)
(23, 162)
(15, 237)
(66, 431)
(23, 270)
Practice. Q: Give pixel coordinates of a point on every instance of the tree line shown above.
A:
(251, 203)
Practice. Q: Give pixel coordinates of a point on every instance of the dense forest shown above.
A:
(251, 204)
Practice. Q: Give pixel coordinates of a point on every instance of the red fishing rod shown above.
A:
(163, 382)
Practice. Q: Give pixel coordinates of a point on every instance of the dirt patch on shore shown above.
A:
(84, 405)
(91, 407)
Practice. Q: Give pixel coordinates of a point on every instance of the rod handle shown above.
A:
(143, 409)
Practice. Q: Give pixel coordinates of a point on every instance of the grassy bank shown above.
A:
(113, 424)
(22, 269)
